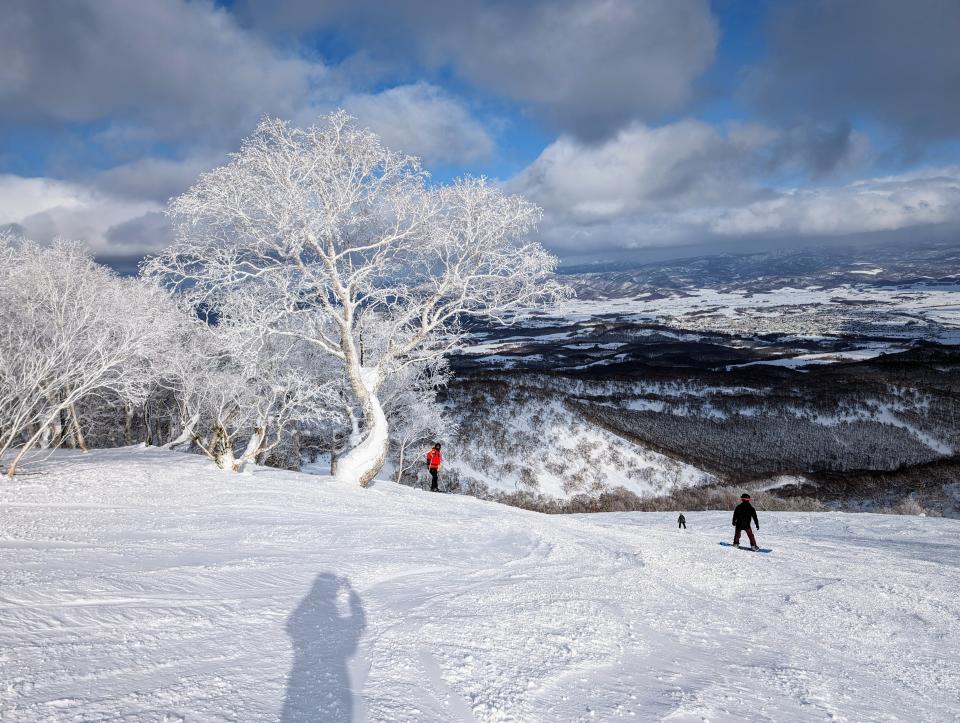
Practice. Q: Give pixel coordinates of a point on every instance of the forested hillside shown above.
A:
(860, 433)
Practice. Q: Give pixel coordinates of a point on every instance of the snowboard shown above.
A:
(730, 544)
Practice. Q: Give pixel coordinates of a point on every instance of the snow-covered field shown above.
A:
(143, 585)
(803, 360)
(909, 311)
(866, 320)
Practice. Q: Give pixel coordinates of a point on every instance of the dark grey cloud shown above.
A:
(586, 68)
(164, 69)
(156, 179)
(817, 149)
(149, 231)
(893, 61)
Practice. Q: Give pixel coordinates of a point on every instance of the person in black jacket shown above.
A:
(742, 515)
(681, 522)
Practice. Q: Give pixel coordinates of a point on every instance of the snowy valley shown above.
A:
(139, 584)
(786, 374)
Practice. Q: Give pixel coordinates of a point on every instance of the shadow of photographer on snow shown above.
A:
(324, 630)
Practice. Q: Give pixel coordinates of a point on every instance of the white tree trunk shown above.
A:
(186, 435)
(403, 448)
(45, 437)
(253, 446)
(75, 430)
(12, 467)
(127, 425)
(57, 427)
(363, 461)
(52, 433)
(367, 455)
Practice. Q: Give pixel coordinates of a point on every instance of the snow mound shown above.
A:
(143, 585)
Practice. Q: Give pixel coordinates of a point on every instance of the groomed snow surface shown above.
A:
(145, 586)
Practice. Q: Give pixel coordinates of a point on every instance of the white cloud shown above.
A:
(644, 170)
(890, 203)
(154, 179)
(423, 120)
(688, 183)
(186, 75)
(45, 209)
(117, 211)
(189, 73)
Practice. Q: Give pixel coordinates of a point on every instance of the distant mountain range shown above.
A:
(827, 267)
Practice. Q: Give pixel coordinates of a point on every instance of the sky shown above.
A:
(638, 126)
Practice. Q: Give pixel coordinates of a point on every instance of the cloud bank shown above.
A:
(688, 183)
(136, 99)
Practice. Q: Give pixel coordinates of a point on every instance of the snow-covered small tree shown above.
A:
(345, 246)
(280, 390)
(182, 379)
(231, 381)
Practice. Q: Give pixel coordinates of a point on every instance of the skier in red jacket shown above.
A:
(434, 458)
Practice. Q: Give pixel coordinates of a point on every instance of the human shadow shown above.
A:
(324, 629)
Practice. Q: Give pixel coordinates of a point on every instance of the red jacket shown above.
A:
(434, 459)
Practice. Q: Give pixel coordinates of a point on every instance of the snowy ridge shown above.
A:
(144, 585)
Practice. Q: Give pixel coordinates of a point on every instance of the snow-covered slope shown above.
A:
(516, 438)
(142, 585)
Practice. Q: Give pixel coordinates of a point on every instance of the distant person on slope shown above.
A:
(681, 522)
(434, 458)
(742, 515)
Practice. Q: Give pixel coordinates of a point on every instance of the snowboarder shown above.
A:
(742, 515)
(434, 458)
(681, 522)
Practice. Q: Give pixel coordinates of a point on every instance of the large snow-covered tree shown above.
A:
(343, 244)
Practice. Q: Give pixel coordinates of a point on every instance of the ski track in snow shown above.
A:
(143, 585)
